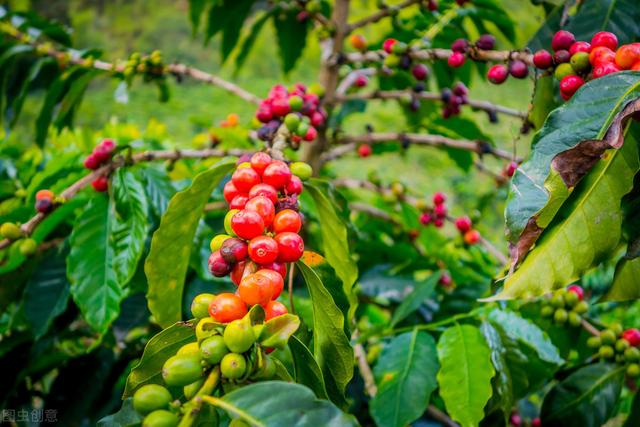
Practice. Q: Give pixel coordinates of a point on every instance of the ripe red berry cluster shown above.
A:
(44, 201)
(438, 214)
(262, 225)
(465, 227)
(453, 99)
(398, 56)
(101, 154)
(509, 170)
(498, 73)
(575, 62)
(299, 108)
(460, 48)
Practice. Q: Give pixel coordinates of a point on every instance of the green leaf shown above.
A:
(625, 286)
(130, 223)
(46, 294)
(414, 300)
(228, 16)
(196, 8)
(307, 371)
(560, 157)
(587, 230)
(526, 333)
(276, 331)
(465, 373)
(250, 39)
(634, 416)
(544, 101)
(406, 377)
(159, 348)
(586, 398)
(159, 190)
(335, 242)
(27, 83)
(291, 405)
(331, 347)
(166, 265)
(90, 266)
(125, 417)
(72, 99)
(292, 38)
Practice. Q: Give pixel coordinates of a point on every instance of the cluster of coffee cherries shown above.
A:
(12, 231)
(437, 215)
(102, 153)
(498, 73)
(460, 48)
(515, 420)
(574, 61)
(565, 306)
(262, 225)
(621, 346)
(453, 98)
(233, 348)
(298, 104)
(45, 201)
(148, 65)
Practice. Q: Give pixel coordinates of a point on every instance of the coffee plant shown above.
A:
(289, 269)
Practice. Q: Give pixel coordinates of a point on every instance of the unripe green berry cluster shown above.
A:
(615, 345)
(565, 306)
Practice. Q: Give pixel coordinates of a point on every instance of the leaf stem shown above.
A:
(215, 401)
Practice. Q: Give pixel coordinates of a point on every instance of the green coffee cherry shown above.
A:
(213, 349)
(616, 328)
(557, 301)
(227, 222)
(546, 311)
(392, 60)
(151, 397)
(581, 308)
(292, 121)
(191, 389)
(28, 247)
(574, 319)
(608, 337)
(302, 129)
(206, 328)
(633, 370)
(238, 422)
(316, 89)
(563, 70)
(296, 103)
(571, 299)
(217, 241)
(200, 305)
(266, 370)
(621, 345)
(160, 418)
(632, 354)
(560, 316)
(189, 349)
(181, 370)
(302, 170)
(606, 352)
(594, 342)
(238, 336)
(10, 231)
(233, 366)
(580, 62)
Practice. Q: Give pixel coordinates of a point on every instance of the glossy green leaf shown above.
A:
(250, 39)
(295, 406)
(129, 223)
(335, 242)
(586, 398)
(125, 417)
(588, 230)
(543, 102)
(414, 300)
(46, 294)
(228, 16)
(292, 38)
(159, 348)
(465, 373)
(27, 84)
(538, 189)
(196, 8)
(634, 416)
(406, 377)
(625, 285)
(159, 190)
(276, 331)
(166, 265)
(527, 333)
(90, 266)
(307, 371)
(72, 99)
(331, 347)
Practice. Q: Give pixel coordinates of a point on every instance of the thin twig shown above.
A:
(363, 366)
(382, 13)
(438, 415)
(589, 327)
(429, 96)
(146, 156)
(437, 53)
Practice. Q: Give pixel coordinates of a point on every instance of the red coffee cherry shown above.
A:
(263, 249)
(562, 56)
(497, 74)
(606, 39)
(264, 190)
(562, 40)
(287, 220)
(486, 42)
(230, 191)
(260, 161)
(632, 336)
(518, 69)
(233, 250)
(100, 184)
(627, 55)
(420, 71)
(311, 134)
(275, 279)
(290, 246)
(263, 207)
(274, 309)
(463, 224)
(245, 178)
(570, 84)
(445, 279)
(361, 81)
(227, 307)
(576, 290)
(438, 222)
(542, 59)
(91, 162)
(440, 211)
(460, 45)
(439, 198)
(426, 218)
(277, 174)
(604, 69)
(218, 266)
(255, 289)
(471, 237)
(264, 113)
(601, 55)
(294, 186)
(238, 271)
(387, 45)
(364, 150)
(580, 47)
(239, 202)
(44, 194)
(278, 267)
(247, 224)
(456, 60)
(358, 42)
(103, 151)
(44, 205)
(511, 169)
